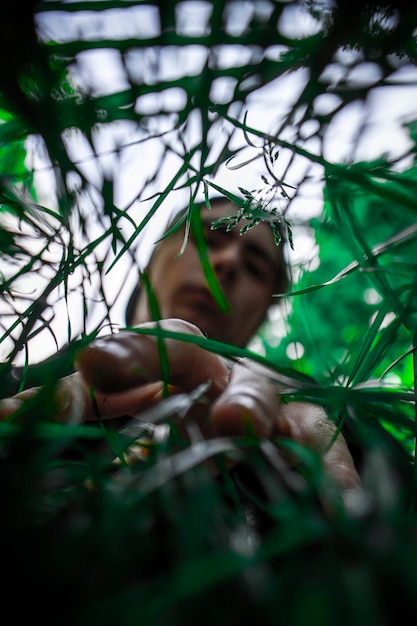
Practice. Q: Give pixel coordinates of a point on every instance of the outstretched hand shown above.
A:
(124, 370)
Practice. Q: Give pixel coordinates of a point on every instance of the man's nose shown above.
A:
(226, 261)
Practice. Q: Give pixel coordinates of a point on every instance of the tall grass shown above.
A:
(87, 537)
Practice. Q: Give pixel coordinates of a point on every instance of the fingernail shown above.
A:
(240, 417)
(356, 502)
(8, 407)
(112, 347)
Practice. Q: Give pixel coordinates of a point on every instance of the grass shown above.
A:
(176, 538)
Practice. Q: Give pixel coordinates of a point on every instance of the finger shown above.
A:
(249, 404)
(59, 404)
(339, 463)
(75, 400)
(66, 400)
(72, 401)
(128, 359)
(308, 424)
(130, 402)
(9, 407)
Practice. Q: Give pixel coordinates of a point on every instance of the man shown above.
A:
(125, 369)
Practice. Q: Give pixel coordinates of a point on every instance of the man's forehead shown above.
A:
(220, 208)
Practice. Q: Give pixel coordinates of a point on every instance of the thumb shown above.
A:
(128, 359)
(249, 404)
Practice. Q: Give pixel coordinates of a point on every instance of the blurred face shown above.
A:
(246, 267)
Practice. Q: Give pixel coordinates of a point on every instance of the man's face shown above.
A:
(246, 267)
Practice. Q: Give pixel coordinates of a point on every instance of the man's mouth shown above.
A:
(202, 296)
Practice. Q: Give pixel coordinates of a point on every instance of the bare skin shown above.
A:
(124, 369)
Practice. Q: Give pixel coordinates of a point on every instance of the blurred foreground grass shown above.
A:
(172, 539)
(167, 541)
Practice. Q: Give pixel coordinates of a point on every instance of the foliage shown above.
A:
(362, 289)
(85, 538)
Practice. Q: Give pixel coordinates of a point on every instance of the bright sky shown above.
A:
(381, 123)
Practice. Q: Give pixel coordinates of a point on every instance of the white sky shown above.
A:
(383, 133)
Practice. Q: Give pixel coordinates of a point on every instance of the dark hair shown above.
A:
(282, 273)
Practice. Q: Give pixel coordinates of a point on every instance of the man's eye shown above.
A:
(213, 238)
(256, 269)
